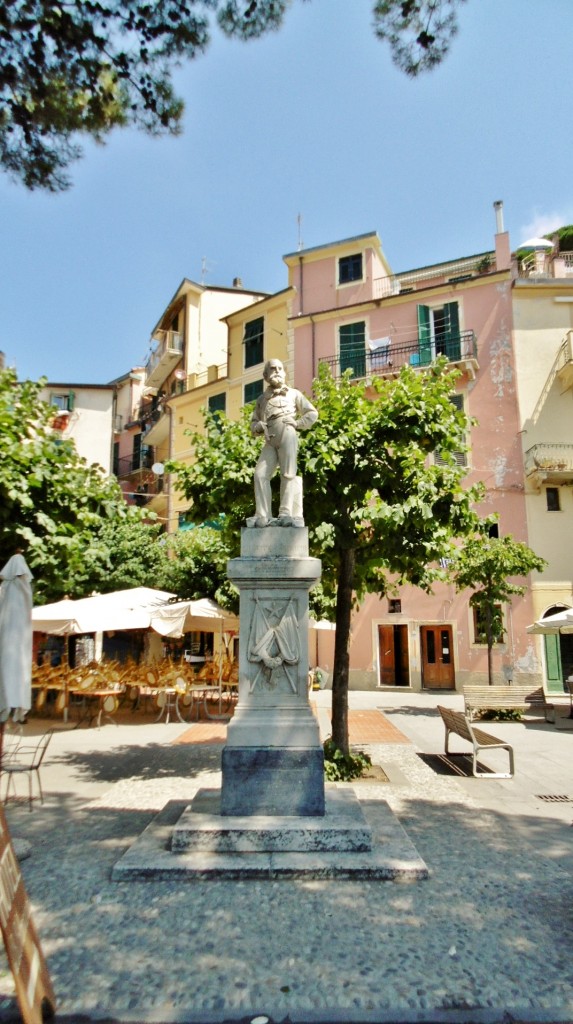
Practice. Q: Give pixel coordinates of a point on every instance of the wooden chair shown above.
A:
(26, 760)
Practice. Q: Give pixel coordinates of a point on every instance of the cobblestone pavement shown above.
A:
(488, 937)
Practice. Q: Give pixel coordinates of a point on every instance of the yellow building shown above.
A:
(187, 360)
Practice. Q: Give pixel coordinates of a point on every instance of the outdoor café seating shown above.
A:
(24, 759)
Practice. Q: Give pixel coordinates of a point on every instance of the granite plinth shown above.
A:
(272, 780)
(202, 827)
(272, 542)
(392, 856)
(262, 726)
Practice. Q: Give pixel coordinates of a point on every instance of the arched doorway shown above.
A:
(558, 655)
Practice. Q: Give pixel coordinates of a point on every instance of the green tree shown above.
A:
(196, 566)
(488, 565)
(123, 551)
(379, 511)
(85, 67)
(53, 505)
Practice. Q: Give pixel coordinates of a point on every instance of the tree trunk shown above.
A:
(341, 650)
(489, 634)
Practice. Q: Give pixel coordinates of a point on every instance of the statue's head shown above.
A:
(274, 373)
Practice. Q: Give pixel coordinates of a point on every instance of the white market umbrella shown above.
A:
(15, 639)
(536, 243)
(123, 609)
(561, 622)
(180, 617)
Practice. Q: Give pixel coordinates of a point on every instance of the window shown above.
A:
(252, 391)
(480, 625)
(493, 531)
(394, 605)
(460, 457)
(552, 498)
(439, 332)
(350, 268)
(217, 403)
(352, 346)
(63, 402)
(253, 339)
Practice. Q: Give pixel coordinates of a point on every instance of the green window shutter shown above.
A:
(424, 335)
(452, 317)
(217, 403)
(352, 338)
(253, 390)
(253, 340)
(553, 662)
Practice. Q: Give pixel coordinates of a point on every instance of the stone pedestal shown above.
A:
(273, 762)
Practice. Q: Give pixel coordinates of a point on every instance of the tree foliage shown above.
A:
(196, 566)
(65, 515)
(419, 32)
(84, 67)
(489, 566)
(380, 512)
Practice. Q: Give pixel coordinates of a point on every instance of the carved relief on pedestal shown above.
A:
(274, 644)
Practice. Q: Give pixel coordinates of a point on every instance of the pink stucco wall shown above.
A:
(485, 307)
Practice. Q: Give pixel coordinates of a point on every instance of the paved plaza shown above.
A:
(487, 937)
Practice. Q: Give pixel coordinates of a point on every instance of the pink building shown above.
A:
(351, 311)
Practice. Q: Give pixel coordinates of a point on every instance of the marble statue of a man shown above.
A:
(280, 412)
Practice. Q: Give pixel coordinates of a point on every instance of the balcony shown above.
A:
(386, 361)
(158, 430)
(135, 464)
(549, 464)
(165, 357)
(147, 490)
(440, 273)
(541, 265)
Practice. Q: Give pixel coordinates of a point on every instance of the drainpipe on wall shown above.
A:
(301, 286)
(168, 482)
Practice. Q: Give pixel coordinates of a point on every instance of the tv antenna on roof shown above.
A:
(299, 223)
(206, 267)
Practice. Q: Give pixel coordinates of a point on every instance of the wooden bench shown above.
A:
(456, 722)
(500, 698)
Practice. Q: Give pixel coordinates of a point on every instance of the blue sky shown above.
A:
(313, 121)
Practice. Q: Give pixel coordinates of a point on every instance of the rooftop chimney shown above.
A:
(237, 283)
(502, 249)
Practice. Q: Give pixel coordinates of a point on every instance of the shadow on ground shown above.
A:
(152, 761)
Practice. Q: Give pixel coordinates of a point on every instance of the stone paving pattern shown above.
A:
(487, 937)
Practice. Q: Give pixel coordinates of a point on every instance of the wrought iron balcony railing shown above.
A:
(138, 463)
(388, 359)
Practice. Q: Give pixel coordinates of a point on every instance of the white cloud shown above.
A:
(543, 223)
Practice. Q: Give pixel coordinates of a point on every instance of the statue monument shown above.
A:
(273, 760)
(272, 816)
(278, 414)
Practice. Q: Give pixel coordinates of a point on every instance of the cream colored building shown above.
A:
(543, 346)
(85, 414)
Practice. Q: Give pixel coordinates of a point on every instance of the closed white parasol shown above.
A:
(15, 639)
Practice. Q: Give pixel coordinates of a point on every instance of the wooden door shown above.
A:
(393, 655)
(437, 658)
